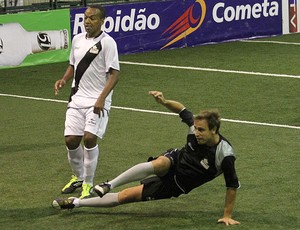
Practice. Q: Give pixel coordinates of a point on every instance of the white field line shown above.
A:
(157, 112)
(210, 69)
(272, 42)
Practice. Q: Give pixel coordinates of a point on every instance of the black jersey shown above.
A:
(197, 164)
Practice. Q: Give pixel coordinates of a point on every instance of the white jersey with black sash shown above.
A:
(198, 164)
(92, 58)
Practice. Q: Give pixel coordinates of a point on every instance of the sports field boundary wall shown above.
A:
(159, 25)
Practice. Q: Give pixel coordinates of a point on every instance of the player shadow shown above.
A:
(162, 215)
(141, 214)
(136, 215)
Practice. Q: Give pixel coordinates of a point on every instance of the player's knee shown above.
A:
(130, 195)
(72, 142)
(161, 165)
(90, 140)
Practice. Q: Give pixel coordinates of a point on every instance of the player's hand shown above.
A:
(99, 107)
(228, 221)
(158, 96)
(58, 85)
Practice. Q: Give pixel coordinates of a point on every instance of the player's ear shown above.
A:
(102, 21)
(214, 130)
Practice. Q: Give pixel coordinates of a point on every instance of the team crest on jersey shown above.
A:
(94, 50)
(204, 163)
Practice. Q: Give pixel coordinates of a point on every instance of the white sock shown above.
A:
(90, 164)
(109, 200)
(135, 173)
(75, 158)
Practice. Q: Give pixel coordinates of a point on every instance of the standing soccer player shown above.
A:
(94, 68)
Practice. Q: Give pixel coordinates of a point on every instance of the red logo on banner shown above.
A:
(187, 23)
(293, 17)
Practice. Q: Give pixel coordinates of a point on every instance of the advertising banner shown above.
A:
(145, 26)
(33, 38)
(293, 16)
(237, 19)
(138, 27)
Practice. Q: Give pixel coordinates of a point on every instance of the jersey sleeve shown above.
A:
(229, 172)
(71, 56)
(187, 117)
(111, 54)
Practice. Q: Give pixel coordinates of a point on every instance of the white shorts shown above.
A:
(80, 120)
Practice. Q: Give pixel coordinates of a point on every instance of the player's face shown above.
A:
(203, 134)
(92, 22)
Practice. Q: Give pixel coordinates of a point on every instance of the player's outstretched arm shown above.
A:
(174, 106)
(229, 204)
